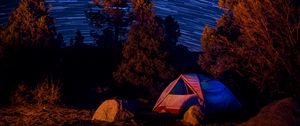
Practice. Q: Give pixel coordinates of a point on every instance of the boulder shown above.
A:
(285, 112)
(193, 115)
(112, 110)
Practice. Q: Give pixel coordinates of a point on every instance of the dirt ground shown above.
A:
(44, 115)
(29, 115)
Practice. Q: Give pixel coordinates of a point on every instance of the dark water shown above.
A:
(192, 16)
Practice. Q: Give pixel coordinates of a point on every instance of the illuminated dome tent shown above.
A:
(196, 89)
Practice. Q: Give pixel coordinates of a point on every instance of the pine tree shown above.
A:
(259, 40)
(112, 16)
(144, 60)
(79, 39)
(29, 25)
(172, 32)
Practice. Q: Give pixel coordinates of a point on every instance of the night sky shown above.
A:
(192, 16)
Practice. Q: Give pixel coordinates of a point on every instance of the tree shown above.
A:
(258, 40)
(29, 25)
(172, 31)
(144, 60)
(105, 40)
(78, 39)
(60, 40)
(111, 16)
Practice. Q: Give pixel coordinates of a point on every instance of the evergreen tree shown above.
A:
(144, 60)
(79, 39)
(29, 25)
(111, 16)
(258, 40)
(172, 32)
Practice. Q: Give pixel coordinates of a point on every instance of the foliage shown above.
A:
(44, 93)
(78, 39)
(144, 60)
(112, 16)
(21, 95)
(258, 40)
(30, 25)
(172, 31)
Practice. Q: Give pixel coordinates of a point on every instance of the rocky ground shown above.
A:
(55, 115)
(285, 112)
(45, 115)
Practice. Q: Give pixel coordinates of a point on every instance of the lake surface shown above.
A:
(192, 16)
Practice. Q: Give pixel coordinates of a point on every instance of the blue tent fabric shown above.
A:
(218, 98)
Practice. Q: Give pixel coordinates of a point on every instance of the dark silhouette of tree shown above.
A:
(113, 16)
(1, 49)
(144, 60)
(30, 25)
(79, 39)
(172, 31)
(258, 40)
(60, 40)
(105, 40)
(71, 41)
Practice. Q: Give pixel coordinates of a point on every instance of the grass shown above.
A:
(38, 106)
(30, 115)
(45, 93)
(47, 115)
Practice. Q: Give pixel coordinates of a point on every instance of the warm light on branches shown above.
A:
(258, 40)
(29, 24)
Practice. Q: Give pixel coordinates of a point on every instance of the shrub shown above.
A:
(46, 92)
(21, 95)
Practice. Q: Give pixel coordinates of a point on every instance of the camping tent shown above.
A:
(196, 89)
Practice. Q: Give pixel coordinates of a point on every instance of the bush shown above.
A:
(46, 92)
(21, 95)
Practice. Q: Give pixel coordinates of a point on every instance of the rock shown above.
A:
(193, 115)
(285, 112)
(112, 110)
